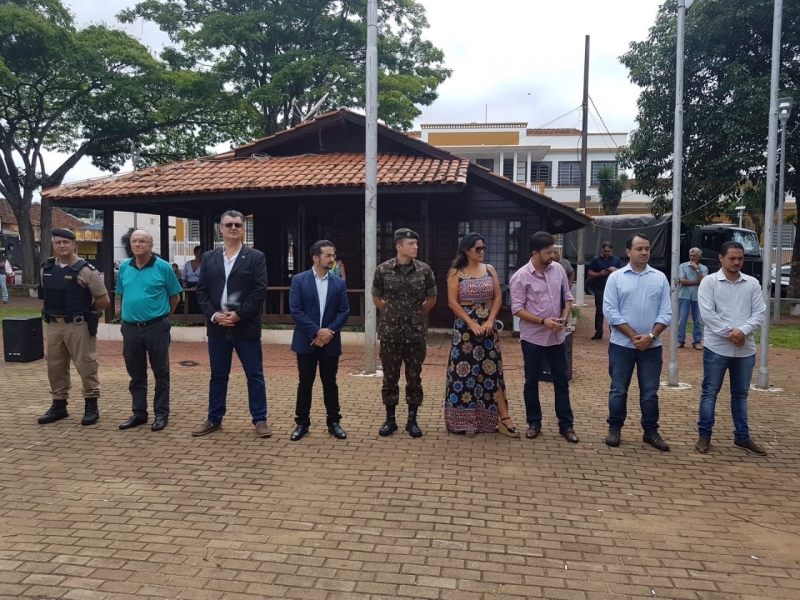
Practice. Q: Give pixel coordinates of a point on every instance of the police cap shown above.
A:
(63, 233)
(405, 232)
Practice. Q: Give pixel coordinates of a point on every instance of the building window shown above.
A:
(487, 163)
(508, 168)
(194, 230)
(543, 172)
(599, 164)
(569, 173)
(248, 231)
(463, 229)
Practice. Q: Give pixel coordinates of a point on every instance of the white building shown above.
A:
(547, 160)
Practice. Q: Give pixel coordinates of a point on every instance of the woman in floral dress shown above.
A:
(475, 399)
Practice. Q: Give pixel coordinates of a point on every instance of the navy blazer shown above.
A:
(247, 284)
(304, 306)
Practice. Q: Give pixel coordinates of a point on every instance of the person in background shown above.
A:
(733, 309)
(149, 293)
(566, 264)
(338, 269)
(691, 273)
(599, 270)
(541, 298)
(4, 267)
(637, 306)
(190, 279)
(475, 396)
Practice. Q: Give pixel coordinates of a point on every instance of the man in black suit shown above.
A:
(320, 308)
(230, 292)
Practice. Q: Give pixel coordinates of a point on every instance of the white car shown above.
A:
(785, 271)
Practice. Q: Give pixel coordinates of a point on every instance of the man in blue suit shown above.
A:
(320, 309)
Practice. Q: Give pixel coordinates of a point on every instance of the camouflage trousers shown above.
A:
(393, 355)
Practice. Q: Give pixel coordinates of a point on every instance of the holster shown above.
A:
(92, 318)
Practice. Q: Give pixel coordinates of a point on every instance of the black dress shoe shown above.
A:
(336, 430)
(299, 432)
(160, 423)
(134, 421)
(655, 441)
(597, 336)
(570, 436)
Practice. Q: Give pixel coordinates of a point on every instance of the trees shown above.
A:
(90, 92)
(271, 52)
(726, 104)
(610, 189)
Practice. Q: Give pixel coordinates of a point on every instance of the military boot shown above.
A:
(390, 426)
(91, 413)
(411, 426)
(56, 412)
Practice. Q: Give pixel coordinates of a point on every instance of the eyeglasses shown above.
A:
(479, 248)
(232, 225)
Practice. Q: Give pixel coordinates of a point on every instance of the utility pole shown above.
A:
(371, 188)
(769, 212)
(677, 191)
(580, 300)
(784, 112)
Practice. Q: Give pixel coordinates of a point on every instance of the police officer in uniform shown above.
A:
(404, 290)
(71, 289)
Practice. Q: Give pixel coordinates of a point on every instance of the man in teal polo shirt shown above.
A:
(150, 293)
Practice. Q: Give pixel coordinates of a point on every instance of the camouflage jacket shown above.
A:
(404, 289)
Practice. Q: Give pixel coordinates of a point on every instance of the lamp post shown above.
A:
(769, 211)
(371, 187)
(740, 210)
(677, 190)
(784, 112)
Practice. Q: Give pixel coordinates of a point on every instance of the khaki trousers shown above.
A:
(71, 341)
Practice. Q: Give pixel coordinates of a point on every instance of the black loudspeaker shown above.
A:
(22, 339)
(545, 374)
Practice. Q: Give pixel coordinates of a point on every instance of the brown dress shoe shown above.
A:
(570, 436)
(533, 432)
(263, 430)
(655, 441)
(702, 445)
(751, 447)
(206, 428)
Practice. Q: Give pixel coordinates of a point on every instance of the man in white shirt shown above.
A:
(732, 307)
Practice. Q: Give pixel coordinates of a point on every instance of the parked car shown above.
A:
(785, 271)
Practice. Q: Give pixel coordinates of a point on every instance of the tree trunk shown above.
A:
(794, 277)
(45, 237)
(30, 272)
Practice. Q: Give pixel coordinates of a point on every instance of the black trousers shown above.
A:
(139, 344)
(598, 310)
(307, 371)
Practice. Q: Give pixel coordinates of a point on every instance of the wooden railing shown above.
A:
(282, 315)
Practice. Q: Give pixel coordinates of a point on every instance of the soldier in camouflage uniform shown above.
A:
(404, 290)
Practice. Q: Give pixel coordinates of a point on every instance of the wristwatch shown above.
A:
(653, 337)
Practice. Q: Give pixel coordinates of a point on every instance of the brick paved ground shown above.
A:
(92, 513)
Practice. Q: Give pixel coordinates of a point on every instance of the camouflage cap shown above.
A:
(405, 232)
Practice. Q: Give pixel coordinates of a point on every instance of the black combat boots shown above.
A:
(411, 427)
(56, 412)
(390, 426)
(91, 414)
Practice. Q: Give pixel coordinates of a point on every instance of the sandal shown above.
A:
(507, 431)
(469, 434)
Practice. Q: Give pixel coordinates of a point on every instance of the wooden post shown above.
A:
(108, 260)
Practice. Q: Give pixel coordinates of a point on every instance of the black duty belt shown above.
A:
(146, 323)
(62, 318)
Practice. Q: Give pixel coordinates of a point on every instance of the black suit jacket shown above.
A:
(247, 284)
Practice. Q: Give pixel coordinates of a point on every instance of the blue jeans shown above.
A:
(684, 307)
(220, 353)
(557, 360)
(621, 361)
(741, 373)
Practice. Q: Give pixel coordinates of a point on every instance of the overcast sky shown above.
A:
(522, 58)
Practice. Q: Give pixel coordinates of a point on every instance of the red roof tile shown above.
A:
(259, 173)
(61, 219)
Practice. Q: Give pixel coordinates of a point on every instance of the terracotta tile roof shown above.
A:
(61, 220)
(556, 131)
(414, 134)
(253, 173)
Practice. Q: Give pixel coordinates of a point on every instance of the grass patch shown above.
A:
(782, 336)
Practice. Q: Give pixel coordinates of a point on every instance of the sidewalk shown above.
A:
(93, 513)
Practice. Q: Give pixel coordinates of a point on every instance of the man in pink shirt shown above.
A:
(540, 297)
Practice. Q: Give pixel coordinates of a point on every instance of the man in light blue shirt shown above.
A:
(637, 305)
(690, 275)
(733, 308)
